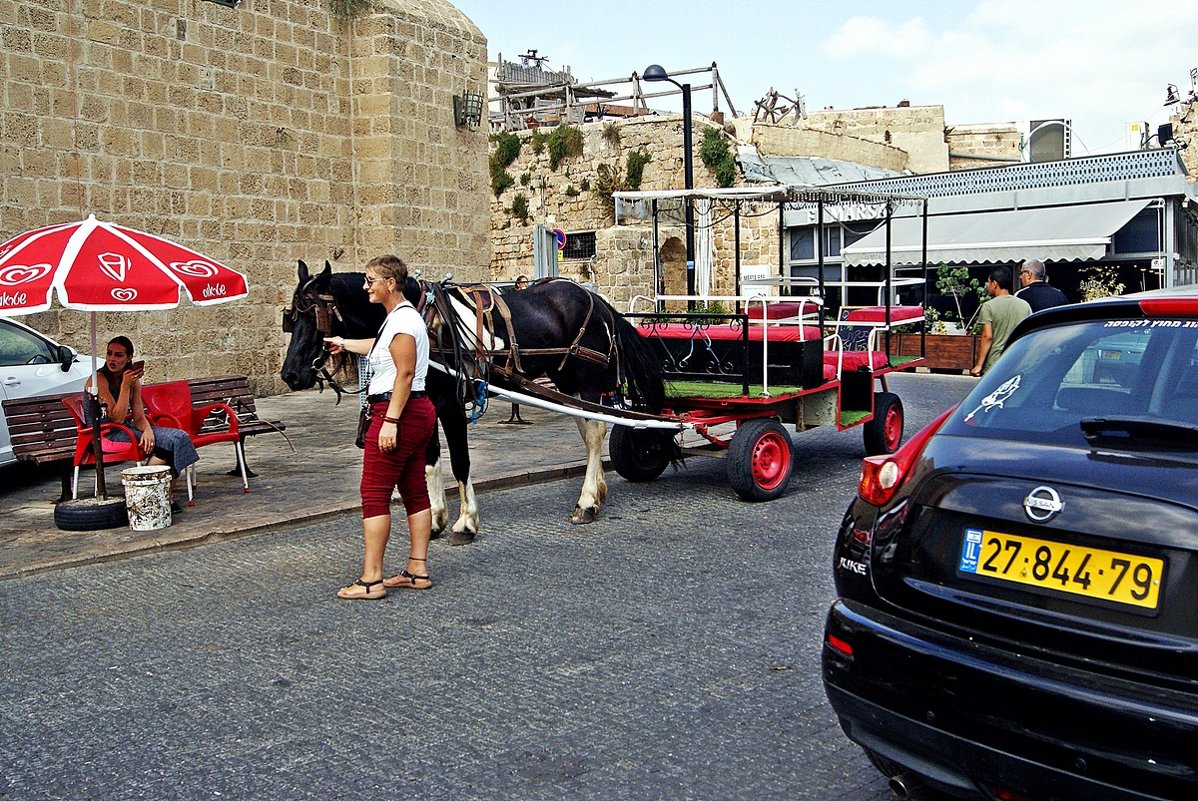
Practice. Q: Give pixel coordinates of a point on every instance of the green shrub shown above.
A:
(500, 180)
(519, 207)
(526, 179)
(635, 170)
(611, 134)
(507, 148)
(572, 191)
(537, 142)
(716, 156)
(563, 142)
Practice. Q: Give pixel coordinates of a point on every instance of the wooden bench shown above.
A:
(43, 432)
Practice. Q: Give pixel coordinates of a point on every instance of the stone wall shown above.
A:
(973, 146)
(1185, 126)
(622, 267)
(787, 140)
(258, 135)
(916, 130)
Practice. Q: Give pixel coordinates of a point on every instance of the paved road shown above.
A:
(669, 651)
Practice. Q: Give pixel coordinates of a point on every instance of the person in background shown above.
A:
(118, 385)
(998, 317)
(1039, 295)
(401, 423)
(521, 282)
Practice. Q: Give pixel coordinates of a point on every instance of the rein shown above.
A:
(323, 306)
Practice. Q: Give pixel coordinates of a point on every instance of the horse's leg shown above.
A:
(436, 484)
(453, 423)
(594, 486)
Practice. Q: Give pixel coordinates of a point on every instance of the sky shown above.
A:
(1102, 64)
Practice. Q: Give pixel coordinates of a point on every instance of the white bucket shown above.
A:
(148, 496)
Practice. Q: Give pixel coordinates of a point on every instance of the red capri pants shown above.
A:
(402, 467)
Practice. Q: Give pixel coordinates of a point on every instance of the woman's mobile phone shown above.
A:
(139, 365)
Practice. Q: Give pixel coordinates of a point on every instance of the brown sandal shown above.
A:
(405, 580)
(367, 594)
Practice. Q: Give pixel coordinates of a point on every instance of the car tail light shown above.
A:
(1169, 307)
(881, 476)
(840, 645)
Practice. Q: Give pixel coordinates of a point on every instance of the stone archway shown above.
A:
(673, 270)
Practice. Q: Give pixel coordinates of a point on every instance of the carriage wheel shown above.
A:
(884, 433)
(640, 454)
(760, 460)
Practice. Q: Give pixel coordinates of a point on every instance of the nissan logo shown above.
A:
(1041, 504)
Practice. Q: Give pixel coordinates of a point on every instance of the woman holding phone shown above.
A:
(119, 389)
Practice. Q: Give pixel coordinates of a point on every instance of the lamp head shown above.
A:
(1171, 95)
(655, 72)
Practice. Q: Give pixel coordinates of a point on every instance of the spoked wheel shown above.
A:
(640, 454)
(884, 433)
(760, 460)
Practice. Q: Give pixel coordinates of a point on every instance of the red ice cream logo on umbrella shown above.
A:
(114, 265)
(195, 267)
(22, 273)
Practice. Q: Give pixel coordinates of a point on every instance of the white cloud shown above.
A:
(1100, 63)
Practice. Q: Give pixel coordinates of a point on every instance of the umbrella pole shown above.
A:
(93, 399)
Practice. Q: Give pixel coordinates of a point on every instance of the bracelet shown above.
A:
(387, 419)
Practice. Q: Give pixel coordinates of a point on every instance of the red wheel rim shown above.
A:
(892, 429)
(771, 461)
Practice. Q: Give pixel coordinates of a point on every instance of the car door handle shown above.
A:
(12, 381)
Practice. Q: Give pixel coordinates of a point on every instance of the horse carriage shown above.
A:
(771, 361)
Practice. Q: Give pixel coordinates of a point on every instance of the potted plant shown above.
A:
(950, 342)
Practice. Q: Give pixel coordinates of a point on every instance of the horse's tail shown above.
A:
(640, 369)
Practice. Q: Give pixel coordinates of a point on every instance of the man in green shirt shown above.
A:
(998, 316)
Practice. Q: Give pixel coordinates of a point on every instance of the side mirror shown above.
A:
(66, 357)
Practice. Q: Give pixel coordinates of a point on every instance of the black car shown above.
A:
(1018, 610)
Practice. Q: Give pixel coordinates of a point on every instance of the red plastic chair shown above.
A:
(114, 452)
(169, 404)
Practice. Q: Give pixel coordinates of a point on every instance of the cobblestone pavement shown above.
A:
(668, 651)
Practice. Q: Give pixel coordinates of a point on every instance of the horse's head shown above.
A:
(310, 318)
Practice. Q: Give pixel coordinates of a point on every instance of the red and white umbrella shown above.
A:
(99, 266)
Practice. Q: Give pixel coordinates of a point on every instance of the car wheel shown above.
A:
(760, 460)
(91, 514)
(884, 433)
(640, 454)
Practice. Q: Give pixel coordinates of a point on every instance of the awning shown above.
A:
(1058, 233)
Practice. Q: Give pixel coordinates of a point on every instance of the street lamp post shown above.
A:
(655, 72)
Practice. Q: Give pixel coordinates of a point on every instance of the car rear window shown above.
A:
(1050, 380)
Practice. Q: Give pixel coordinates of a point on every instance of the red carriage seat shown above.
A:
(780, 333)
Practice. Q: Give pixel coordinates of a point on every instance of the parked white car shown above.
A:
(33, 364)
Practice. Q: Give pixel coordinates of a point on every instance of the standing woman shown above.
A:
(119, 389)
(401, 423)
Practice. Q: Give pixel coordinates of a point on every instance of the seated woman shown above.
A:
(119, 388)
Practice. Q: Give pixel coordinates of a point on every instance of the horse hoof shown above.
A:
(460, 537)
(583, 516)
(436, 534)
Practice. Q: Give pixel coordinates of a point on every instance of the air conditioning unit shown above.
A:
(1050, 140)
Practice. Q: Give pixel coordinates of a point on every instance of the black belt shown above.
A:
(386, 396)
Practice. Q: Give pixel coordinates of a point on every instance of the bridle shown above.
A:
(323, 307)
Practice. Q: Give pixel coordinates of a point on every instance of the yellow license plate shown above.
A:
(1091, 572)
(1114, 355)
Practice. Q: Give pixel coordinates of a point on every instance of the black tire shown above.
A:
(640, 454)
(884, 433)
(760, 460)
(91, 514)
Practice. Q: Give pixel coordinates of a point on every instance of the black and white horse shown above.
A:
(335, 304)
(557, 329)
